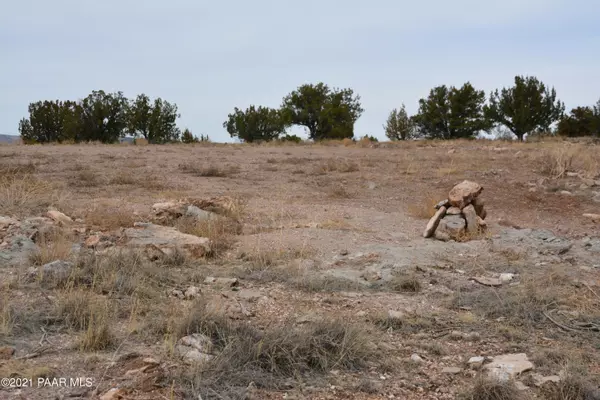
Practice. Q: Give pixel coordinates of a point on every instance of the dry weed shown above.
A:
(424, 209)
(219, 230)
(342, 165)
(52, 246)
(24, 194)
(208, 171)
(105, 217)
(488, 389)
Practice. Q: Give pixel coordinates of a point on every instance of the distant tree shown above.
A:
(451, 113)
(326, 113)
(155, 121)
(582, 121)
(255, 124)
(526, 107)
(399, 126)
(188, 137)
(291, 138)
(50, 121)
(104, 116)
(370, 138)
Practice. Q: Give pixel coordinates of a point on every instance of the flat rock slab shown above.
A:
(493, 282)
(434, 222)
(167, 239)
(508, 366)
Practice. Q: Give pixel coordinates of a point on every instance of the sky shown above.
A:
(211, 56)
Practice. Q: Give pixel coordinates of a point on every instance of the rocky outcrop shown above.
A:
(166, 240)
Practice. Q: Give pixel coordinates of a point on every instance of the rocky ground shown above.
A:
(299, 272)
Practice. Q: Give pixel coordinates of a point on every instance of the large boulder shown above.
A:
(166, 239)
(463, 194)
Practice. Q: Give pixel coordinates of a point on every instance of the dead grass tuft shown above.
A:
(219, 230)
(123, 178)
(245, 354)
(487, 389)
(424, 209)
(339, 164)
(109, 217)
(52, 246)
(208, 171)
(24, 195)
(405, 284)
(86, 178)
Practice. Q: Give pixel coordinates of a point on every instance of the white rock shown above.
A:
(507, 277)
(166, 239)
(59, 217)
(593, 217)
(476, 362)
(508, 366)
(539, 380)
(452, 370)
(416, 359)
(192, 292)
(566, 193)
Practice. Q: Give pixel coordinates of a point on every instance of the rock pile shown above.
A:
(461, 215)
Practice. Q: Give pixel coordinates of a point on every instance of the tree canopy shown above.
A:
(101, 116)
(582, 121)
(326, 113)
(399, 126)
(526, 107)
(451, 113)
(255, 124)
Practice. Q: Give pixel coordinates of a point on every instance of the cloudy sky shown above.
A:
(211, 56)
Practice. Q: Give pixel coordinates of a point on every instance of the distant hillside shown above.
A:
(8, 138)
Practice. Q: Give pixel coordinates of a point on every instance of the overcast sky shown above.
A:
(211, 56)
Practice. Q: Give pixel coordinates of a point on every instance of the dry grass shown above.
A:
(424, 209)
(106, 217)
(339, 192)
(405, 284)
(339, 164)
(219, 230)
(86, 178)
(245, 354)
(124, 178)
(555, 162)
(208, 171)
(52, 246)
(486, 389)
(22, 194)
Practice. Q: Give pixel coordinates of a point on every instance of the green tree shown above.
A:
(582, 121)
(104, 116)
(188, 137)
(155, 121)
(526, 107)
(326, 113)
(399, 126)
(255, 124)
(47, 122)
(451, 113)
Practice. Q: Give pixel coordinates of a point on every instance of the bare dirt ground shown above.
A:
(337, 295)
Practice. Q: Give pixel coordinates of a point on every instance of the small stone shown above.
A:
(92, 241)
(443, 203)
(344, 253)
(177, 293)
(150, 361)
(566, 193)
(231, 282)
(456, 335)
(475, 362)
(361, 314)
(451, 151)
(112, 394)
(6, 353)
(434, 222)
(192, 292)
(416, 359)
(58, 270)
(481, 223)
(572, 174)
(452, 370)
(372, 276)
(462, 194)
(393, 314)
(507, 277)
(250, 295)
(59, 217)
(454, 211)
(593, 217)
(488, 281)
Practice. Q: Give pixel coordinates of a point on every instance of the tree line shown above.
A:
(527, 107)
(104, 117)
